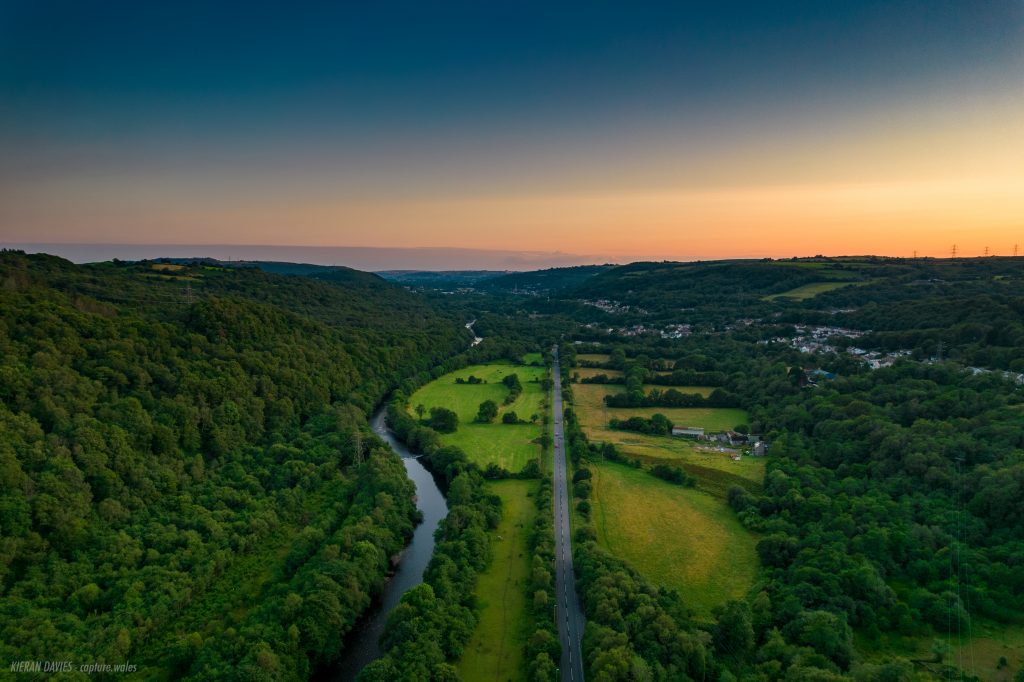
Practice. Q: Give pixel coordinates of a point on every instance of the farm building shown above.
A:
(688, 431)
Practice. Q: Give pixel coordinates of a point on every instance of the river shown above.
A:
(361, 645)
(476, 339)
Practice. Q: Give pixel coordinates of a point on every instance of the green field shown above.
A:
(495, 651)
(594, 357)
(716, 470)
(508, 445)
(806, 291)
(590, 400)
(676, 537)
(978, 655)
(587, 372)
(533, 359)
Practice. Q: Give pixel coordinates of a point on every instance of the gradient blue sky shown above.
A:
(669, 129)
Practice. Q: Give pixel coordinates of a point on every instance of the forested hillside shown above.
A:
(187, 480)
(889, 525)
(542, 281)
(890, 295)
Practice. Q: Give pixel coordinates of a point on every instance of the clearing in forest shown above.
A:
(676, 537)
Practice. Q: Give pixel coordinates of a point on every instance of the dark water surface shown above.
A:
(361, 645)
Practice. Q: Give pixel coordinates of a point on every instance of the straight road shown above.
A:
(567, 611)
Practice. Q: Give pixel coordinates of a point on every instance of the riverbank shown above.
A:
(362, 647)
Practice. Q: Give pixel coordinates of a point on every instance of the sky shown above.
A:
(606, 131)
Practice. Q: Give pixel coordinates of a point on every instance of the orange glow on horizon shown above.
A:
(881, 219)
(891, 189)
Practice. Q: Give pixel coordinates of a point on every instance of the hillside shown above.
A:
(542, 281)
(439, 280)
(186, 476)
(705, 286)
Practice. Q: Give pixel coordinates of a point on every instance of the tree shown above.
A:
(487, 412)
(510, 417)
(443, 420)
(582, 489)
(733, 632)
(420, 410)
(542, 669)
(515, 388)
(826, 633)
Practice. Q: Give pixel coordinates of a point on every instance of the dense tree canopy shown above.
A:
(187, 479)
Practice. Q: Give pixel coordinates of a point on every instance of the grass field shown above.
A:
(806, 291)
(533, 359)
(676, 537)
(495, 651)
(590, 399)
(715, 470)
(587, 372)
(508, 445)
(594, 357)
(978, 655)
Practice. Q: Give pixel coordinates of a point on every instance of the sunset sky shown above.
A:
(617, 131)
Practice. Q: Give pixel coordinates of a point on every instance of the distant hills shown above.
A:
(544, 281)
(370, 259)
(492, 281)
(440, 279)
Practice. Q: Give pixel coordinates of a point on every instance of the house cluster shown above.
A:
(732, 439)
(636, 330)
(1010, 376)
(614, 307)
(814, 339)
(878, 359)
(676, 331)
(672, 331)
(813, 375)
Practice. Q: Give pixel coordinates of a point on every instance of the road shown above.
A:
(568, 611)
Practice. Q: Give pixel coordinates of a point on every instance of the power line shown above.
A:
(953, 254)
(964, 583)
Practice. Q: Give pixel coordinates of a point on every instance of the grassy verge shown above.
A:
(495, 651)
